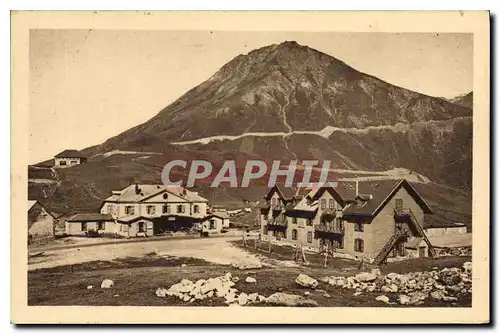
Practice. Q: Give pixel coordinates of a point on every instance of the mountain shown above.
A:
(280, 102)
(464, 100)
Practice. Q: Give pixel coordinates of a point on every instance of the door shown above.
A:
(421, 252)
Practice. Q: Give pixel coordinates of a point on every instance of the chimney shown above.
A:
(357, 188)
(137, 189)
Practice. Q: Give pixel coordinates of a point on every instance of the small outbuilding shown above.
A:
(41, 223)
(69, 158)
(88, 223)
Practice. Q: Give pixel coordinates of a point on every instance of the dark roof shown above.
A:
(440, 223)
(70, 154)
(284, 192)
(381, 192)
(85, 217)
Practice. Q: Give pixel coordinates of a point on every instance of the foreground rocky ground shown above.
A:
(173, 281)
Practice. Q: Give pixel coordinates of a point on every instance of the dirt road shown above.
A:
(216, 250)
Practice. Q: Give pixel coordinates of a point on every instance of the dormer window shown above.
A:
(165, 196)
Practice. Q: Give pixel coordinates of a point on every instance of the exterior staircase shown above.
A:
(388, 247)
(418, 227)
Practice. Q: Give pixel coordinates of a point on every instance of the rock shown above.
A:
(437, 294)
(250, 280)
(252, 298)
(247, 265)
(325, 279)
(306, 281)
(235, 279)
(450, 299)
(340, 282)
(228, 276)
(306, 293)
(260, 298)
(326, 295)
(161, 292)
(383, 298)
(385, 288)
(376, 271)
(210, 294)
(404, 299)
(467, 266)
(366, 277)
(89, 287)
(117, 295)
(107, 283)
(393, 276)
(230, 298)
(186, 298)
(186, 282)
(394, 287)
(417, 297)
(284, 299)
(242, 299)
(183, 265)
(371, 288)
(450, 277)
(357, 293)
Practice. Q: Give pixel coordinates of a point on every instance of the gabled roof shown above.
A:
(220, 214)
(146, 191)
(382, 191)
(285, 193)
(90, 217)
(70, 154)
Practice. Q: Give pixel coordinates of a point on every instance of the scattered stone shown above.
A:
(235, 279)
(284, 299)
(250, 280)
(242, 299)
(252, 298)
(107, 283)
(357, 293)
(450, 299)
(404, 299)
(247, 265)
(117, 295)
(89, 287)
(366, 277)
(383, 298)
(467, 267)
(326, 295)
(183, 265)
(306, 293)
(376, 271)
(306, 281)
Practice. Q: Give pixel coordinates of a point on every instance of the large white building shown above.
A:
(146, 210)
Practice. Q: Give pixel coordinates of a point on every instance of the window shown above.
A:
(73, 162)
(196, 209)
(323, 204)
(358, 227)
(309, 237)
(265, 229)
(273, 202)
(309, 222)
(339, 243)
(141, 227)
(101, 226)
(399, 205)
(180, 208)
(62, 163)
(294, 234)
(150, 209)
(294, 220)
(109, 208)
(129, 210)
(359, 245)
(84, 226)
(331, 203)
(212, 224)
(166, 208)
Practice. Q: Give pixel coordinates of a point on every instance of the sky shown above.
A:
(89, 85)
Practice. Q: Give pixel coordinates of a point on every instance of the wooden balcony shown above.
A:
(332, 228)
(331, 212)
(277, 224)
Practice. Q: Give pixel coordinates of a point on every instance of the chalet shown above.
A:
(69, 158)
(378, 220)
(220, 217)
(41, 223)
(144, 210)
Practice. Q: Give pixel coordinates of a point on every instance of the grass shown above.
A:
(136, 280)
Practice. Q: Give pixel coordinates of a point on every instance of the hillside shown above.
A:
(463, 100)
(280, 102)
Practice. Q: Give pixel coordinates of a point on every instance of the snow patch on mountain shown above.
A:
(111, 153)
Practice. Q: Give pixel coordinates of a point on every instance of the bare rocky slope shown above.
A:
(281, 102)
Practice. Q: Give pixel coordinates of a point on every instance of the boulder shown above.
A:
(250, 280)
(242, 299)
(450, 299)
(252, 298)
(383, 298)
(340, 282)
(325, 279)
(366, 277)
(284, 299)
(437, 294)
(467, 266)
(376, 271)
(247, 265)
(393, 276)
(357, 293)
(404, 299)
(161, 292)
(107, 283)
(306, 281)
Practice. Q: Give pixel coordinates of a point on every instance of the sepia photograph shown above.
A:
(200, 169)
